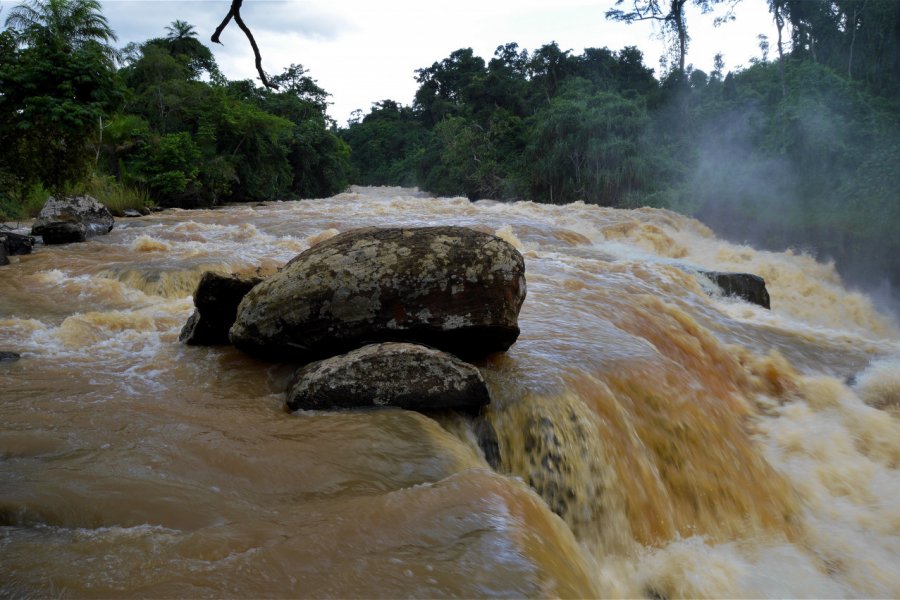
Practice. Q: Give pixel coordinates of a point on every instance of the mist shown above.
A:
(801, 174)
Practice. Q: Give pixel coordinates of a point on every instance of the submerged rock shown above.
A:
(9, 356)
(751, 288)
(453, 288)
(217, 298)
(403, 375)
(487, 439)
(72, 219)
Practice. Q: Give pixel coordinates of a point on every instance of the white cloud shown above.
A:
(363, 51)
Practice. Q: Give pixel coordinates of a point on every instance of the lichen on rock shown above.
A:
(453, 288)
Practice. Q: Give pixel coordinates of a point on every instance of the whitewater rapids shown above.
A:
(658, 439)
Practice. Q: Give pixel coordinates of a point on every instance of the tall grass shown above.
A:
(115, 195)
(14, 209)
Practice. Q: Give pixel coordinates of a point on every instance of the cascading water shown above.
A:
(692, 445)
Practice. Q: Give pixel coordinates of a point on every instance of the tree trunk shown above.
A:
(681, 30)
(855, 25)
(779, 23)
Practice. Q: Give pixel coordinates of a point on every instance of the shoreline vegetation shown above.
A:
(799, 149)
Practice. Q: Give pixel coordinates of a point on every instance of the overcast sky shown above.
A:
(363, 51)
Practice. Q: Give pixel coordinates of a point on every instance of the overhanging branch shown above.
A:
(235, 13)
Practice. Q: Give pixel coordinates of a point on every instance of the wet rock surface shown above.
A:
(6, 356)
(61, 233)
(452, 288)
(72, 219)
(402, 375)
(751, 288)
(217, 298)
(15, 244)
(487, 440)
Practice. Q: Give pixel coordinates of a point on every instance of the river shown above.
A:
(658, 439)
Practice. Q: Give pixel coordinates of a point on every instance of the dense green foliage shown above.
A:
(57, 78)
(800, 149)
(156, 120)
(546, 125)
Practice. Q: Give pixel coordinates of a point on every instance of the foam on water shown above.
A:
(145, 243)
(879, 384)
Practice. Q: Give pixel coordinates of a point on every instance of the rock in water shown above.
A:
(16, 244)
(404, 375)
(217, 298)
(72, 219)
(4, 260)
(487, 440)
(751, 288)
(452, 288)
(9, 356)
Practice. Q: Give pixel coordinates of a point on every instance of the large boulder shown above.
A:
(4, 253)
(403, 375)
(217, 298)
(72, 219)
(452, 288)
(751, 288)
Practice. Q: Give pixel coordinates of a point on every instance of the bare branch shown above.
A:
(235, 13)
(221, 27)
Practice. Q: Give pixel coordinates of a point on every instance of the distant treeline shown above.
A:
(800, 148)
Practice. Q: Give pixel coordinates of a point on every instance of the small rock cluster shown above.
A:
(61, 221)
(377, 317)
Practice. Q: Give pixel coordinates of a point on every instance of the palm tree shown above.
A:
(180, 30)
(181, 41)
(68, 23)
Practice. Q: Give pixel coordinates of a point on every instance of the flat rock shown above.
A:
(751, 288)
(72, 219)
(403, 375)
(217, 298)
(452, 288)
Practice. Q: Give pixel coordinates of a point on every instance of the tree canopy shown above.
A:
(166, 121)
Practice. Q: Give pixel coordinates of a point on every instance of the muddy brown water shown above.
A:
(657, 439)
